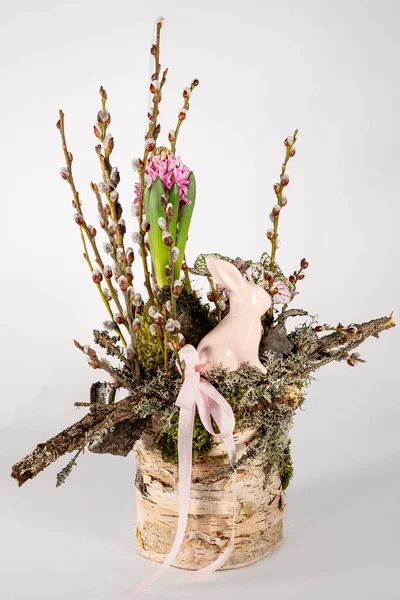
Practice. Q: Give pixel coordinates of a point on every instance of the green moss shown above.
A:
(286, 468)
(196, 321)
(168, 441)
(196, 318)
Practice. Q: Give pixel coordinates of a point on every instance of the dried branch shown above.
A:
(373, 327)
(80, 434)
(336, 345)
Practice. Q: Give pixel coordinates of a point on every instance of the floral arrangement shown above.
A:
(138, 345)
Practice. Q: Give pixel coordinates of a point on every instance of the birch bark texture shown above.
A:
(260, 506)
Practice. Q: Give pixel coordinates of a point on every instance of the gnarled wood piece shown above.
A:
(120, 439)
(276, 339)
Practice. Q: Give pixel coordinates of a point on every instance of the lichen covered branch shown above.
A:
(81, 434)
(337, 345)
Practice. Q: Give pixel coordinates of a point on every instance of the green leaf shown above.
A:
(184, 224)
(200, 264)
(158, 250)
(265, 262)
(174, 200)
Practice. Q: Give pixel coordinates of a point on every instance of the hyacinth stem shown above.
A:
(182, 115)
(84, 227)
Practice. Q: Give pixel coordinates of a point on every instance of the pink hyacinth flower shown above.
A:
(170, 169)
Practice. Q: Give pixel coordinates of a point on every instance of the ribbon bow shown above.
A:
(197, 391)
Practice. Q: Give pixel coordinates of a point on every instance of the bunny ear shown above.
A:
(225, 273)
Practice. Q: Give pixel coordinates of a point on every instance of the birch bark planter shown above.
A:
(258, 529)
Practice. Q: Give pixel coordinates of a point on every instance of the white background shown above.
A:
(265, 68)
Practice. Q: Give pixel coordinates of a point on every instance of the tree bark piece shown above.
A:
(119, 441)
(364, 330)
(258, 528)
(73, 438)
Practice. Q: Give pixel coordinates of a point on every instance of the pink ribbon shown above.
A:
(197, 391)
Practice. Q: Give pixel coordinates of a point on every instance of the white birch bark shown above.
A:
(260, 505)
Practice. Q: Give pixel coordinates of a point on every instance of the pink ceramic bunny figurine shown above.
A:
(236, 339)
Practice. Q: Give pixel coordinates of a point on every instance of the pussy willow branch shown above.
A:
(182, 115)
(272, 266)
(85, 250)
(298, 275)
(117, 239)
(106, 168)
(279, 202)
(99, 364)
(149, 134)
(157, 65)
(84, 229)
